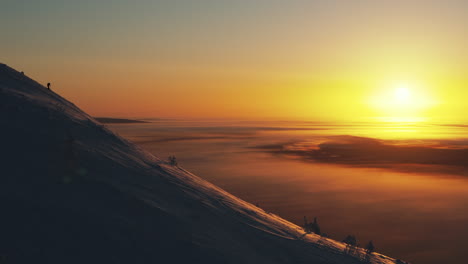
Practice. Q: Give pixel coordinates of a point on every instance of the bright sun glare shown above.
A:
(401, 102)
(402, 94)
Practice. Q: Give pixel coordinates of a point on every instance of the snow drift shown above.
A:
(71, 191)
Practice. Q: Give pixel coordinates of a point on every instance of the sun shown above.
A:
(402, 94)
(401, 102)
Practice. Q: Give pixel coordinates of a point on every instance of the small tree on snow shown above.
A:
(306, 225)
(312, 227)
(351, 243)
(315, 227)
(172, 160)
(370, 247)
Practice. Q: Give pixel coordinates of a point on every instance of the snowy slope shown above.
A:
(71, 191)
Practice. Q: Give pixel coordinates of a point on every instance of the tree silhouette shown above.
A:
(312, 227)
(315, 227)
(306, 226)
(370, 247)
(172, 160)
(351, 243)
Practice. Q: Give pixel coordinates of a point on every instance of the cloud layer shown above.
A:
(444, 156)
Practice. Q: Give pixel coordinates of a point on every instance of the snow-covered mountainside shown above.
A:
(71, 191)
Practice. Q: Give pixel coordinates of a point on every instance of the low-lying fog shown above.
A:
(403, 186)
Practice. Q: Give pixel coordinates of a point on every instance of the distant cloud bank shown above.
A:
(441, 156)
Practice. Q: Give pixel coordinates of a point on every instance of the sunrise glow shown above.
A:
(336, 131)
(297, 65)
(402, 95)
(402, 102)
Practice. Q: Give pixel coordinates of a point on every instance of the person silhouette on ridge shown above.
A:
(48, 86)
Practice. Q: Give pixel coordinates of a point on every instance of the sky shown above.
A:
(352, 60)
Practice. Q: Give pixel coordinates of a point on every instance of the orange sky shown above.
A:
(314, 60)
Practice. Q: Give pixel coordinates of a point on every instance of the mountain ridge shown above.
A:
(73, 192)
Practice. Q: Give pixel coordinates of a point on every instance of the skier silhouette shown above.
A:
(48, 86)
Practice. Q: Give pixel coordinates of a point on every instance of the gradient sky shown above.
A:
(315, 60)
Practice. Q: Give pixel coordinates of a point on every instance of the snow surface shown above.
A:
(72, 191)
